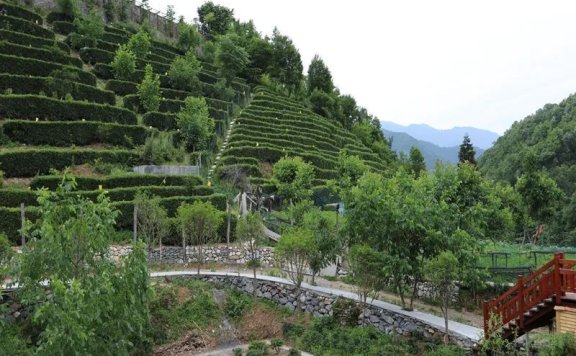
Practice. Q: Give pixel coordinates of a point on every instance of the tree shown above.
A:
(324, 104)
(139, 44)
(293, 178)
(349, 170)
(149, 90)
(540, 193)
(188, 36)
(124, 63)
(195, 124)
(325, 244)
(287, 63)
(152, 220)
(416, 163)
(92, 306)
(5, 256)
(109, 10)
(170, 13)
(293, 251)
(366, 266)
(349, 114)
(441, 272)
(199, 222)
(319, 76)
(466, 153)
(214, 19)
(230, 58)
(90, 27)
(250, 232)
(69, 7)
(183, 73)
(123, 10)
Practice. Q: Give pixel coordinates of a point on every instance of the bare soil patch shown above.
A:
(260, 323)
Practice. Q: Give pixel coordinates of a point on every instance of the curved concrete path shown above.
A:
(467, 331)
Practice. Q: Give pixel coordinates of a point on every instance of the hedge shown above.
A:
(22, 84)
(34, 106)
(160, 121)
(20, 25)
(58, 16)
(12, 198)
(33, 41)
(17, 11)
(119, 181)
(51, 55)
(81, 41)
(36, 67)
(10, 221)
(114, 38)
(167, 47)
(79, 133)
(63, 27)
(29, 162)
(166, 105)
(95, 55)
(121, 87)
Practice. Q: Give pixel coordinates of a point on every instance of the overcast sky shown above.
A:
(444, 63)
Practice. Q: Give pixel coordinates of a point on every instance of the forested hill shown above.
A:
(550, 134)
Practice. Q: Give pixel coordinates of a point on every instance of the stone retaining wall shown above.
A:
(320, 304)
(221, 253)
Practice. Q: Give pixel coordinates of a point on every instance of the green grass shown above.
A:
(521, 255)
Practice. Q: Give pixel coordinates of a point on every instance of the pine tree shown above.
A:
(416, 162)
(466, 153)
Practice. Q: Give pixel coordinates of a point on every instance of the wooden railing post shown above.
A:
(521, 301)
(557, 282)
(485, 311)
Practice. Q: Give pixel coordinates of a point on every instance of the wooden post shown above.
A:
(520, 285)
(22, 223)
(557, 282)
(485, 312)
(135, 226)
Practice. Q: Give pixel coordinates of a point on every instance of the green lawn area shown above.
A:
(503, 255)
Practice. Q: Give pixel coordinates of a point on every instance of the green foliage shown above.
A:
(214, 19)
(293, 177)
(367, 266)
(541, 195)
(43, 108)
(196, 126)
(149, 90)
(230, 58)
(250, 231)
(184, 71)
(319, 76)
(62, 82)
(237, 304)
(286, 61)
(51, 54)
(466, 152)
(188, 37)
(152, 219)
(139, 44)
(293, 250)
(5, 256)
(159, 148)
(346, 312)
(416, 163)
(63, 27)
(258, 348)
(21, 12)
(20, 25)
(32, 41)
(91, 26)
(124, 63)
(558, 344)
(35, 67)
(109, 11)
(349, 170)
(326, 244)
(69, 7)
(90, 295)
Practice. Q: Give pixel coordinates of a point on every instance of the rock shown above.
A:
(388, 319)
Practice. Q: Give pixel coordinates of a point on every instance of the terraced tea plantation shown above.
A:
(99, 122)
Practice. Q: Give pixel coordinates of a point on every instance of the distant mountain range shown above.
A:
(402, 142)
(444, 138)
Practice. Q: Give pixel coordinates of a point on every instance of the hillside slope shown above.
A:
(550, 133)
(445, 138)
(402, 142)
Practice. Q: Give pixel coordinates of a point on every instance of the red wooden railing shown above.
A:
(553, 280)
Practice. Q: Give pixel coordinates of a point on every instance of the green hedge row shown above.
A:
(17, 11)
(242, 132)
(119, 181)
(63, 27)
(53, 54)
(21, 25)
(38, 68)
(122, 87)
(78, 41)
(159, 120)
(30, 107)
(291, 118)
(22, 84)
(29, 162)
(58, 133)
(33, 41)
(132, 102)
(168, 48)
(266, 153)
(95, 55)
(282, 126)
(114, 38)
(10, 221)
(12, 198)
(58, 16)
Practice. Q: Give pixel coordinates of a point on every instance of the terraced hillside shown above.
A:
(272, 127)
(98, 123)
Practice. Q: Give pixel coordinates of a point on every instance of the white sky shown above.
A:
(444, 63)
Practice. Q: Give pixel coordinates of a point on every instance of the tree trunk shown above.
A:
(298, 303)
(445, 312)
(227, 223)
(254, 282)
(313, 281)
(183, 246)
(199, 247)
(414, 292)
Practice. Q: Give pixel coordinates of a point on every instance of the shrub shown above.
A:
(32, 41)
(63, 27)
(159, 148)
(17, 11)
(558, 344)
(149, 90)
(124, 63)
(195, 124)
(74, 133)
(114, 38)
(36, 67)
(184, 71)
(58, 16)
(160, 121)
(51, 54)
(70, 8)
(1, 179)
(121, 87)
(29, 162)
(139, 44)
(90, 27)
(119, 181)
(20, 25)
(95, 55)
(188, 37)
(237, 304)
(33, 106)
(62, 83)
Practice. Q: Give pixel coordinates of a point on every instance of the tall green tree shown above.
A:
(230, 58)
(152, 220)
(416, 163)
(467, 152)
(287, 63)
(195, 124)
(183, 73)
(139, 44)
(367, 267)
(124, 63)
(250, 232)
(149, 90)
(199, 223)
(319, 76)
(188, 36)
(326, 245)
(214, 19)
(293, 178)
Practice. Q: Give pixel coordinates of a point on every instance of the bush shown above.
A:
(258, 348)
(32, 161)
(119, 181)
(10, 221)
(74, 133)
(58, 16)
(121, 87)
(124, 63)
(95, 55)
(70, 8)
(51, 54)
(159, 148)
(63, 27)
(132, 102)
(237, 304)
(78, 41)
(139, 44)
(20, 25)
(160, 121)
(17, 11)
(184, 71)
(114, 38)
(558, 344)
(36, 67)
(149, 90)
(32, 41)
(34, 106)
(195, 124)
(90, 27)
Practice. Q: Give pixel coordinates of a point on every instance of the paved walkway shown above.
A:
(468, 331)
